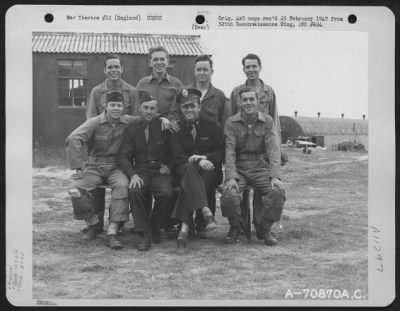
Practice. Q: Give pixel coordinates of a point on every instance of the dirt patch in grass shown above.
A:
(322, 244)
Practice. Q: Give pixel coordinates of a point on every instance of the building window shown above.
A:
(72, 83)
(171, 67)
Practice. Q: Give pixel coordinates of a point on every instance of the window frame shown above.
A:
(72, 77)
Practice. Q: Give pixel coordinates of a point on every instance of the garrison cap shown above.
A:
(114, 96)
(187, 95)
(145, 96)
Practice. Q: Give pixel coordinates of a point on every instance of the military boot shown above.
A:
(92, 232)
(114, 242)
(269, 240)
(181, 243)
(233, 235)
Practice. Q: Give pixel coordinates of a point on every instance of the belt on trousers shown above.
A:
(109, 160)
(149, 164)
(248, 156)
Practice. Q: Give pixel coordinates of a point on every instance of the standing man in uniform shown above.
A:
(266, 95)
(97, 99)
(103, 136)
(144, 158)
(214, 107)
(162, 87)
(197, 151)
(113, 70)
(250, 138)
(213, 103)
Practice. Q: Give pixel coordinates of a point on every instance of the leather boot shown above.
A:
(233, 235)
(92, 232)
(181, 243)
(115, 243)
(269, 240)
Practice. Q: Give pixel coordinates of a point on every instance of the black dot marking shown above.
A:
(200, 19)
(352, 19)
(49, 18)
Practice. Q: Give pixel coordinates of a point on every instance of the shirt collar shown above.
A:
(167, 77)
(210, 92)
(247, 83)
(104, 86)
(103, 118)
(238, 117)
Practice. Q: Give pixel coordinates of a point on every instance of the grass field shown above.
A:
(322, 243)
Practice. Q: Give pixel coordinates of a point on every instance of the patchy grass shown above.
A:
(322, 244)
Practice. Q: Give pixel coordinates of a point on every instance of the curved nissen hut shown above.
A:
(325, 132)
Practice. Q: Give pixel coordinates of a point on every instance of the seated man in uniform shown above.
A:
(250, 137)
(144, 155)
(197, 151)
(103, 136)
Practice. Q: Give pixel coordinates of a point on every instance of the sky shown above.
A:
(310, 71)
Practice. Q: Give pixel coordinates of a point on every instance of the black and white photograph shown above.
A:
(200, 156)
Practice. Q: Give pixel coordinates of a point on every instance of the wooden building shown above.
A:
(325, 132)
(66, 66)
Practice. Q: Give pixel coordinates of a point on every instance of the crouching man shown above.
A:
(197, 156)
(250, 136)
(103, 136)
(144, 157)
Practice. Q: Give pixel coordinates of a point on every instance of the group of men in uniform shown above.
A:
(147, 141)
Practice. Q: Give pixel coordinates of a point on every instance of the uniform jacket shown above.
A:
(136, 153)
(97, 99)
(164, 92)
(214, 106)
(267, 99)
(259, 140)
(103, 140)
(209, 142)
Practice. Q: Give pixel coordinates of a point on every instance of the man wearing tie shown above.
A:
(144, 157)
(197, 151)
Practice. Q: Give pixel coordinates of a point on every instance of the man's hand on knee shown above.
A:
(275, 182)
(136, 181)
(230, 185)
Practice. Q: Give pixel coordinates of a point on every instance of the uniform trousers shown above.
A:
(254, 174)
(160, 186)
(96, 175)
(196, 185)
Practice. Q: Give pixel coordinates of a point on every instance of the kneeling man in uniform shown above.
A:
(103, 136)
(250, 137)
(197, 151)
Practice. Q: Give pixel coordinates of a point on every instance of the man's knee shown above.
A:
(273, 204)
(165, 192)
(83, 204)
(230, 203)
(136, 192)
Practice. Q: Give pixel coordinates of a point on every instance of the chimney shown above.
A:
(342, 115)
(363, 116)
(319, 114)
(295, 114)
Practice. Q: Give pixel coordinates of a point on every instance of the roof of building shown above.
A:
(329, 126)
(121, 43)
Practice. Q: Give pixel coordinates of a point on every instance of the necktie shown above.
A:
(146, 133)
(193, 132)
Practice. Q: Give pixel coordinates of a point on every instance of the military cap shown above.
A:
(114, 96)
(187, 95)
(145, 96)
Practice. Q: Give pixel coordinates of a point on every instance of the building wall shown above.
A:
(289, 128)
(52, 123)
